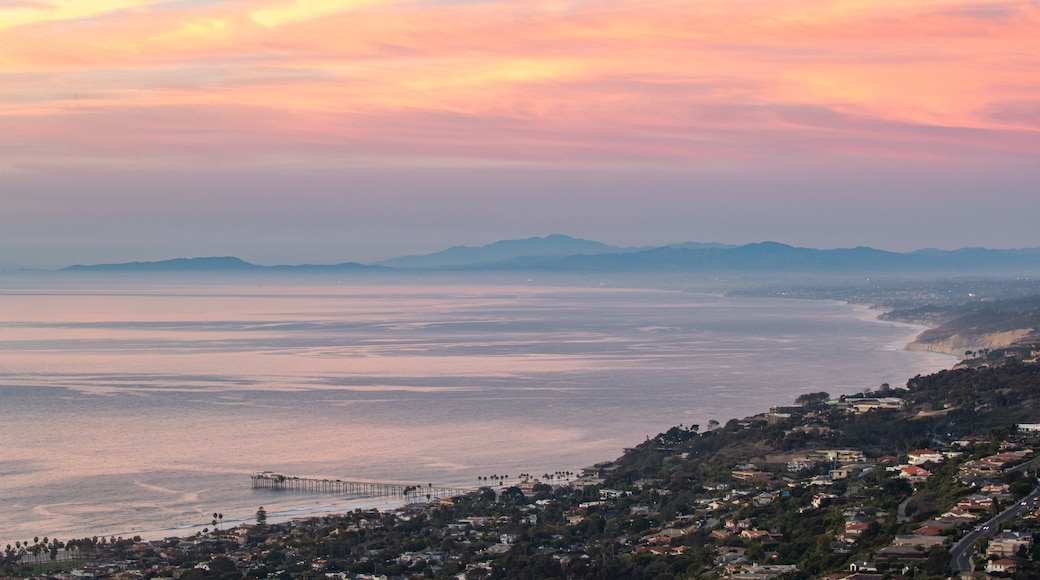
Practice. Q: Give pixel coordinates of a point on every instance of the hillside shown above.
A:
(974, 326)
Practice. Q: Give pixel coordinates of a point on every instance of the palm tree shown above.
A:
(54, 547)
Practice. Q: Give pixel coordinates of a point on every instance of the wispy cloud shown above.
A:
(553, 81)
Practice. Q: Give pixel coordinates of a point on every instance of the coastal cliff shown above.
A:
(974, 326)
(940, 340)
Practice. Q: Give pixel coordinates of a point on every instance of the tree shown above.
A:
(938, 562)
(221, 566)
(1020, 489)
(261, 516)
(813, 400)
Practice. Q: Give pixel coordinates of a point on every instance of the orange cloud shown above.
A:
(512, 80)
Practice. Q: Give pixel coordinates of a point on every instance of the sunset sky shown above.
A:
(322, 131)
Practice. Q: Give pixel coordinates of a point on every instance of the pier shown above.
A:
(412, 493)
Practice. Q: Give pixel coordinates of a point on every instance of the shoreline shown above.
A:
(871, 313)
(383, 504)
(866, 313)
(306, 507)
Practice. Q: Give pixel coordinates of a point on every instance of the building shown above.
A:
(839, 455)
(922, 456)
(752, 476)
(864, 404)
(1002, 565)
(915, 474)
(1007, 544)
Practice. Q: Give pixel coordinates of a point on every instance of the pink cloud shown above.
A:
(521, 81)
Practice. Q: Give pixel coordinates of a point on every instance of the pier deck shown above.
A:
(412, 493)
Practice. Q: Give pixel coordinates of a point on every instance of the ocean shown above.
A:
(141, 407)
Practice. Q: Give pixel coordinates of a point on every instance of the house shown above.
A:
(980, 468)
(862, 566)
(976, 503)
(922, 456)
(932, 529)
(996, 490)
(925, 541)
(800, 465)
(734, 525)
(1007, 544)
(969, 441)
(821, 499)
(1002, 565)
(902, 553)
(751, 476)
(960, 516)
(763, 499)
(661, 550)
(815, 429)
(915, 474)
(840, 455)
(865, 404)
(786, 409)
(855, 527)
(768, 571)
(1012, 456)
(721, 534)
(754, 534)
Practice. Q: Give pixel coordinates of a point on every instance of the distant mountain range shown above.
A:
(526, 252)
(215, 265)
(563, 253)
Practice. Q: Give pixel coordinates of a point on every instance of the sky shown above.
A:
(324, 131)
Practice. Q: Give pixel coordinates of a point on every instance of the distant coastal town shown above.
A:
(932, 480)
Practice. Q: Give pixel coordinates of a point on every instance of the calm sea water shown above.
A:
(136, 408)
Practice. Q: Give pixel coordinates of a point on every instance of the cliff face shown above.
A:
(976, 325)
(957, 343)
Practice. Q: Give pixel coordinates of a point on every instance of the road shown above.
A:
(962, 552)
(901, 510)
